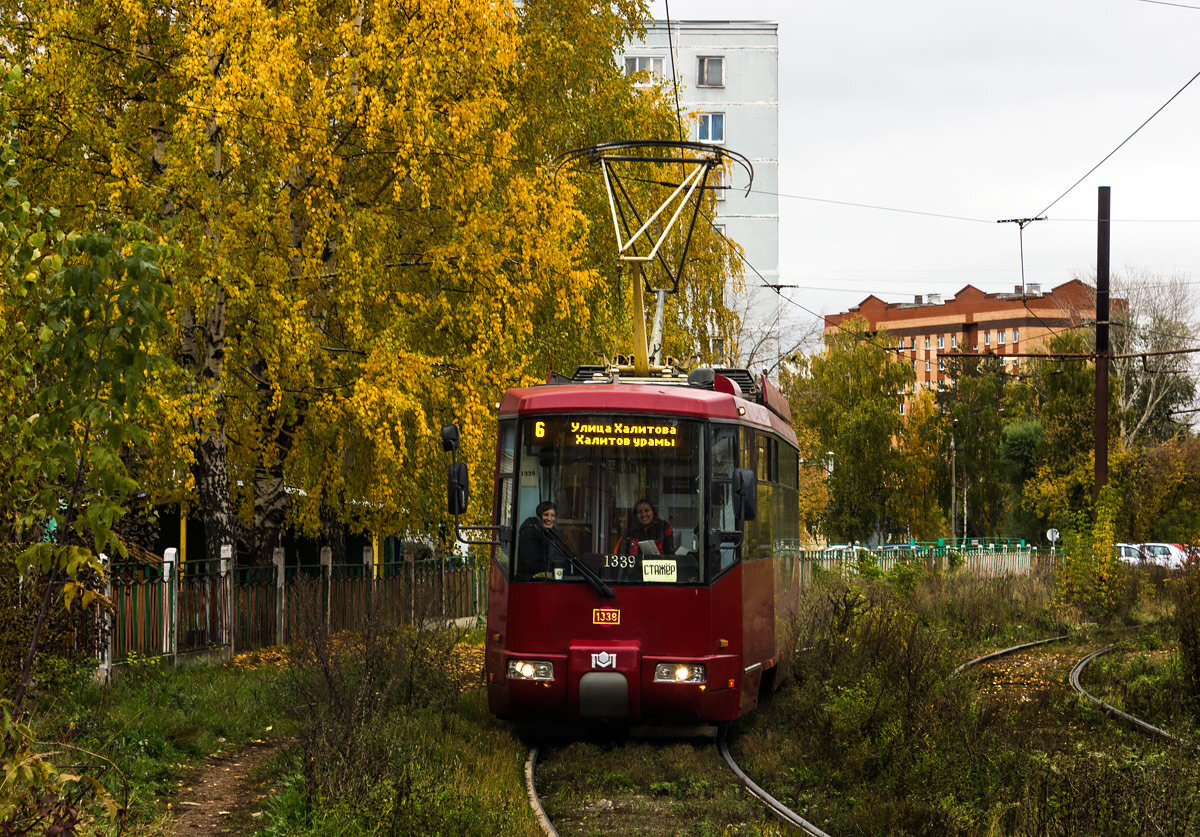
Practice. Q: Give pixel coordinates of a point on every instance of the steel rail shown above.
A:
(780, 810)
(1004, 652)
(1114, 711)
(534, 801)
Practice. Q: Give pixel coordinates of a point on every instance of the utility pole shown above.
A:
(1102, 251)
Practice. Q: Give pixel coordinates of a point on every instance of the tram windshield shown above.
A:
(621, 494)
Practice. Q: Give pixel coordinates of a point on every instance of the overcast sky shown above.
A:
(982, 111)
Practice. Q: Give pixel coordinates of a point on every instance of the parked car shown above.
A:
(1131, 553)
(1168, 555)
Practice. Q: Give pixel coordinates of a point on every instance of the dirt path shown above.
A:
(226, 796)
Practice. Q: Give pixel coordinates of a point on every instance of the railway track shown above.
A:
(1148, 728)
(771, 807)
(781, 811)
(1074, 678)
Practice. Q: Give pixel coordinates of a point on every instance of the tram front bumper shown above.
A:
(613, 681)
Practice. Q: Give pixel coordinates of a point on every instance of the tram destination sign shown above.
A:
(607, 434)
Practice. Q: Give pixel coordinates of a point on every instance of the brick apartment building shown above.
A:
(1002, 324)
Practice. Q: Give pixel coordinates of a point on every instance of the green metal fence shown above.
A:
(998, 557)
(215, 605)
(142, 606)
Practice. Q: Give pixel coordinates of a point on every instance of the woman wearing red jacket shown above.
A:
(646, 525)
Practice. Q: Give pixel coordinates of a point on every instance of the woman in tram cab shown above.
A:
(539, 547)
(645, 526)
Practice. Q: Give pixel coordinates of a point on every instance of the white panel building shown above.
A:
(728, 77)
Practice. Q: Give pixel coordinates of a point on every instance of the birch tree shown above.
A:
(371, 243)
(1152, 313)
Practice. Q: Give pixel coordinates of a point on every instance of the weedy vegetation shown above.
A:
(875, 735)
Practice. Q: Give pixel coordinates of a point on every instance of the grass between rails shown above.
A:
(646, 787)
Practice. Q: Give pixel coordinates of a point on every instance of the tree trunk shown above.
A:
(271, 500)
(333, 533)
(204, 351)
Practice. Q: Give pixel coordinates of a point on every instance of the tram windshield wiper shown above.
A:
(584, 570)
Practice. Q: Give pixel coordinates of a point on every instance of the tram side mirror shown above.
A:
(450, 438)
(457, 489)
(745, 493)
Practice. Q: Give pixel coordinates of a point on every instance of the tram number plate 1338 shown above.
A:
(606, 616)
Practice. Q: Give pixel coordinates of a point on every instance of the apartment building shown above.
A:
(728, 78)
(1001, 324)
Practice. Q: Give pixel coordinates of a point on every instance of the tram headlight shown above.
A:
(679, 673)
(530, 670)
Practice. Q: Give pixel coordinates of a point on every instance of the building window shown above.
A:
(914, 363)
(953, 341)
(900, 345)
(711, 127)
(712, 71)
(987, 338)
(1000, 338)
(941, 364)
(926, 364)
(926, 344)
(941, 342)
(901, 406)
(912, 343)
(719, 229)
(649, 64)
(1016, 335)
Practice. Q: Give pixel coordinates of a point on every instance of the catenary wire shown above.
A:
(674, 74)
(1176, 5)
(1118, 148)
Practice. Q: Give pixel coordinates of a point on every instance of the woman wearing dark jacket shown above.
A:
(646, 525)
(539, 542)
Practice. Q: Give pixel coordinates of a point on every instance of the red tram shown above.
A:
(607, 614)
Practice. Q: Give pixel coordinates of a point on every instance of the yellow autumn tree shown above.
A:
(371, 243)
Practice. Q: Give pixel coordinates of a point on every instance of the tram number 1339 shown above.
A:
(620, 562)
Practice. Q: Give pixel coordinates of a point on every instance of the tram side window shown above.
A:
(787, 516)
(721, 515)
(759, 532)
(752, 461)
(505, 471)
